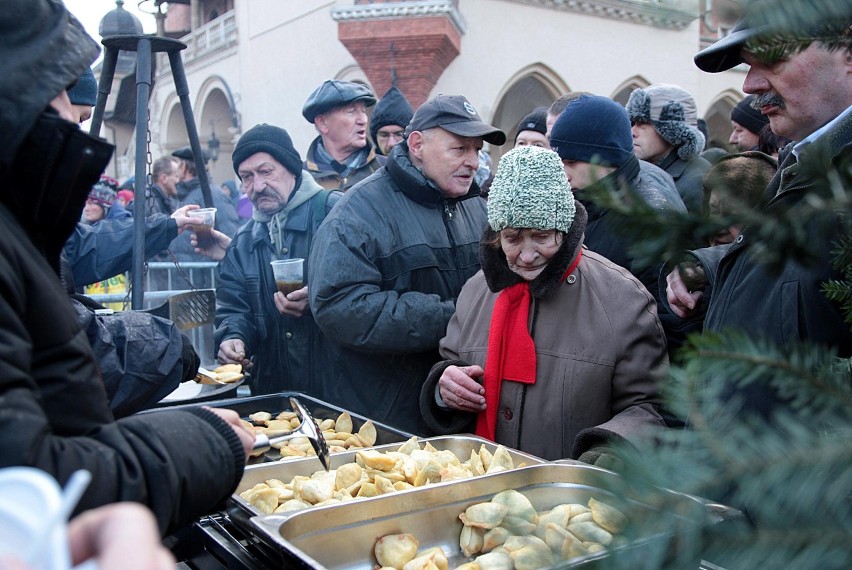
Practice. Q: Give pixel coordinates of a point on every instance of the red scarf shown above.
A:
(511, 350)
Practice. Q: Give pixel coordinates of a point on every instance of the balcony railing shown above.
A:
(213, 36)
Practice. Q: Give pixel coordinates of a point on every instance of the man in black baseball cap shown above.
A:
(390, 259)
(342, 154)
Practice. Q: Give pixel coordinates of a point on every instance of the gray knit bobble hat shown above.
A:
(673, 113)
(530, 190)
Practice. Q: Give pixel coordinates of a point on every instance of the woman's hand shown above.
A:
(460, 390)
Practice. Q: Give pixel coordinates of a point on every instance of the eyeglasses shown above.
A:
(386, 135)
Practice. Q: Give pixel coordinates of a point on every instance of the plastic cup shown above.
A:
(202, 229)
(288, 274)
(32, 501)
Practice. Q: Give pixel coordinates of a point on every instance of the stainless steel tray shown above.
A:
(342, 537)
(319, 409)
(461, 445)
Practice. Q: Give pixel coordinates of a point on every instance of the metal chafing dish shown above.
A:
(320, 410)
(342, 537)
(461, 445)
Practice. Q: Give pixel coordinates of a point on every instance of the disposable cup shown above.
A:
(288, 274)
(206, 220)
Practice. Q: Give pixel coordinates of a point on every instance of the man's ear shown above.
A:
(321, 123)
(415, 144)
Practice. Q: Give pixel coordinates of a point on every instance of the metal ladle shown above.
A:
(307, 428)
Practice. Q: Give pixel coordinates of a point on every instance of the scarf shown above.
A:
(511, 350)
(352, 163)
(275, 222)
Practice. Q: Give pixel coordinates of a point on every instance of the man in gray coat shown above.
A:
(390, 259)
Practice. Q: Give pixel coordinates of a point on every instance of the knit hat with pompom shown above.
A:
(530, 190)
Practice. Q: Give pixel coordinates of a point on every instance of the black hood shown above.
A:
(43, 51)
(393, 109)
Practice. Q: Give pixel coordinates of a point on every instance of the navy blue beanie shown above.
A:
(270, 139)
(85, 91)
(593, 129)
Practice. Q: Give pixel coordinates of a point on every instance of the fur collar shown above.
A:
(498, 276)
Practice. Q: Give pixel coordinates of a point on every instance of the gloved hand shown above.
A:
(190, 360)
(601, 456)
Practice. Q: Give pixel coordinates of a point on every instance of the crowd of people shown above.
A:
(522, 316)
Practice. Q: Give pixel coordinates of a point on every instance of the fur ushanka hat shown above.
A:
(530, 190)
(673, 113)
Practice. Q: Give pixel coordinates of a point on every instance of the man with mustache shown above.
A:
(341, 155)
(806, 92)
(253, 319)
(390, 259)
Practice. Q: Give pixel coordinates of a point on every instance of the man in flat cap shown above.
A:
(804, 86)
(390, 259)
(341, 155)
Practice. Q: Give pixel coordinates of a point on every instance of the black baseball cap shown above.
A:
(727, 52)
(455, 114)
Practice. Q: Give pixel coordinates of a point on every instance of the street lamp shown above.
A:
(213, 144)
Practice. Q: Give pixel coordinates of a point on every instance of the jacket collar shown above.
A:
(498, 276)
(323, 169)
(411, 182)
(185, 188)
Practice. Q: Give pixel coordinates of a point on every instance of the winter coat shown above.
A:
(227, 222)
(605, 236)
(142, 358)
(330, 179)
(287, 352)
(386, 267)
(787, 306)
(598, 344)
(158, 201)
(54, 413)
(105, 249)
(688, 177)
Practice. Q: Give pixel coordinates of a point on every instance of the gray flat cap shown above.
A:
(334, 93)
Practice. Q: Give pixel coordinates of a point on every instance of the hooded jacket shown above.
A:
(288, 353)
(53, 407)
(598, 342)
(385, 269)
(392, 109)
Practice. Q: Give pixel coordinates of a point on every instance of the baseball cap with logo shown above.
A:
(455, 114)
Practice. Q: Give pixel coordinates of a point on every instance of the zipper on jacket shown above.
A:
(449, 213)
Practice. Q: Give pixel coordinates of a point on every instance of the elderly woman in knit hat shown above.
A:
(552, 348)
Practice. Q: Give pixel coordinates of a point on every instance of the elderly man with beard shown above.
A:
(389, 261)
(256, 325)
(806, 91)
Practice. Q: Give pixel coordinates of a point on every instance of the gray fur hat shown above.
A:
(673, 113)
(530, 190)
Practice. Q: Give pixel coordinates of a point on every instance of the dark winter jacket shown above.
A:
(54, 413)
(105, 249)
(688, 177)
(142, 358)
(604, 234)
(227, 222)
(789, 306)
(158, 202)
(598, 343)
(330, 179)
(287, 352)
(385, 269)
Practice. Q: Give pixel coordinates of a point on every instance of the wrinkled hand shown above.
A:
(460, 391)
(233, 418)
(215, 248)
(684, 289)
(601, 456)
(233, 351)
(294, 304)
